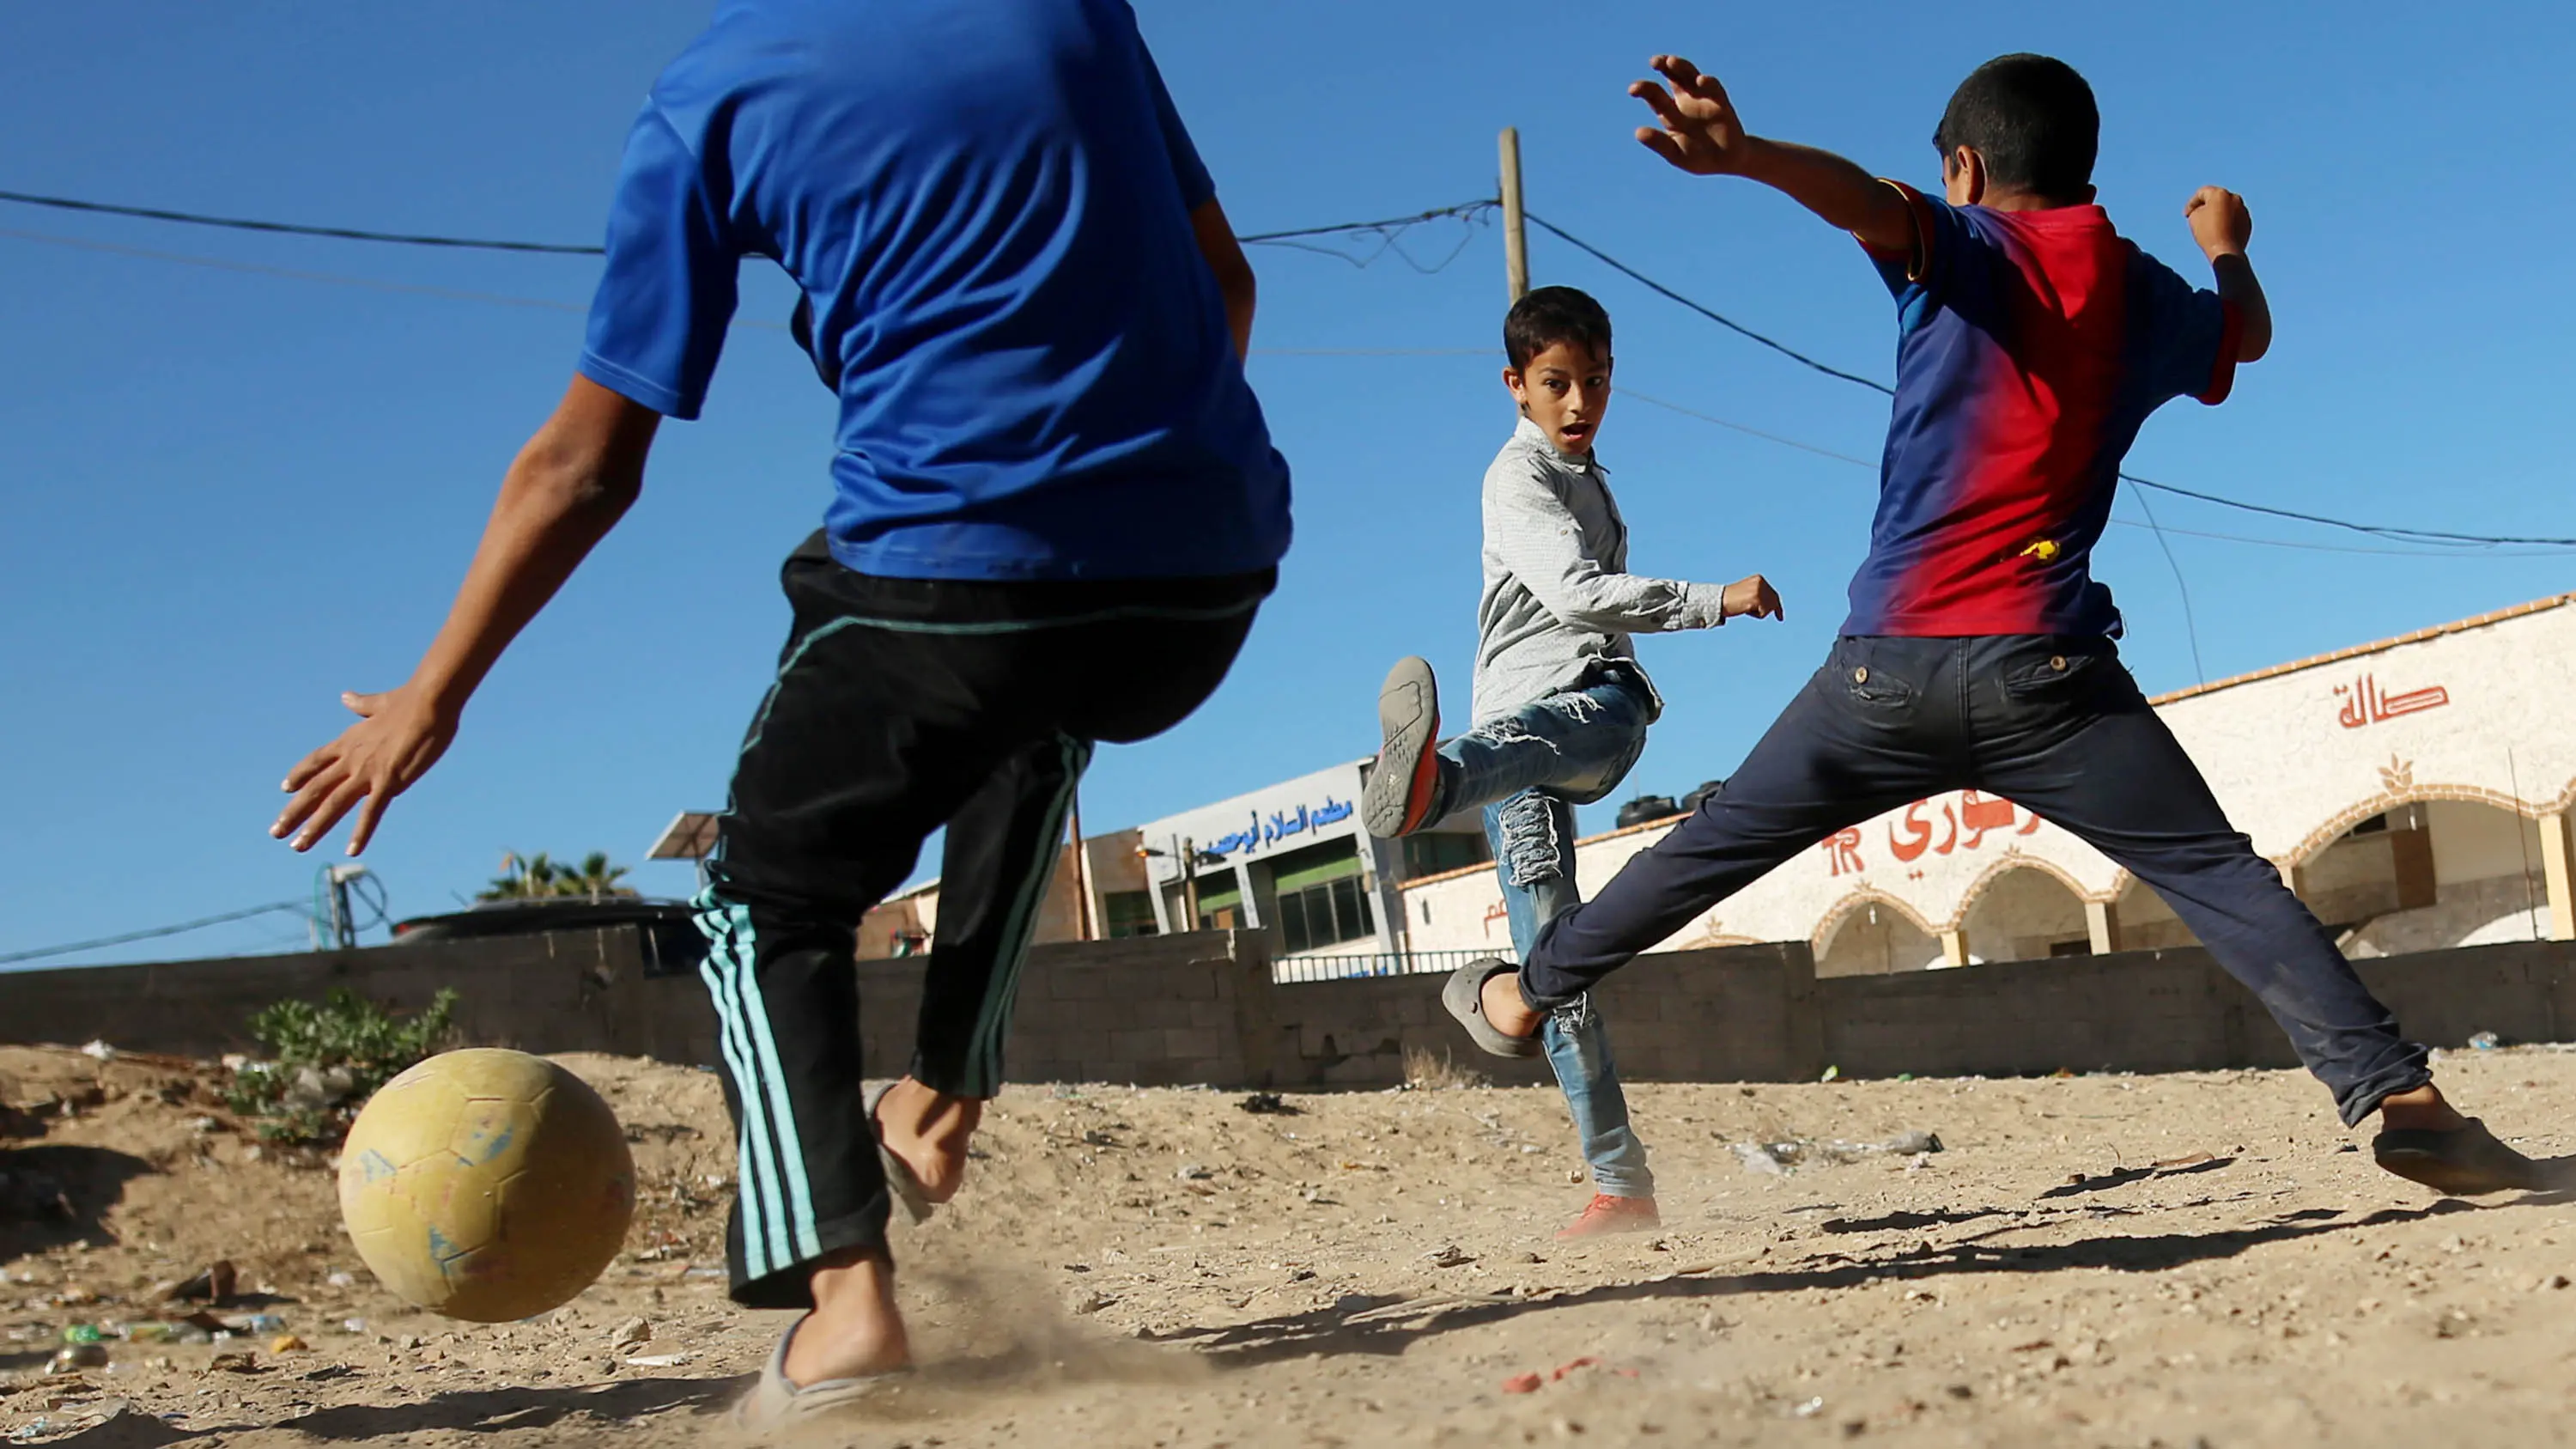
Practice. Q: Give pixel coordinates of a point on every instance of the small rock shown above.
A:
(342, 1280)
(233, 1363)
(1449, 1255)
(1088, 1301)
(214, 1285)
(630, 1333)
(288, 1343)
(77, 1357)
(1908, 1144)
(2547, 1281)
(99, 1051)
(1193, 1172)
(1266, 1104)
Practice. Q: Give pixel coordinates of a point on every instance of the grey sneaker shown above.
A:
(776, 1401)
(1404, 789)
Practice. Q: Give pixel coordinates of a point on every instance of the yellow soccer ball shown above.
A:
(487, 1185)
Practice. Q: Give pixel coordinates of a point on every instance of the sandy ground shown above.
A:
(2091, 1260)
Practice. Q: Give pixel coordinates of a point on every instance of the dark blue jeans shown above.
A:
(2055, 725)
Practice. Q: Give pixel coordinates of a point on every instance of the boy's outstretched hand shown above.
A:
(1753, 596)
(1700, 131)
(2219, 221)
(395, 741)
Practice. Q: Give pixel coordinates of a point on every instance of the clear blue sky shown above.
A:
(227, 495)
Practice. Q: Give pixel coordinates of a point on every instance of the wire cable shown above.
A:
(1387, 229)
(103, 942)
(286, 228)
(2387, 531)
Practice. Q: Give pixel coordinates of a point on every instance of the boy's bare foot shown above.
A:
(855, 1329)
(1606, 1214)
(929, 1131)
(1504, 1008)
(2423, 1109)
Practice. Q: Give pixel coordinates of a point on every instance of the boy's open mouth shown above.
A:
(1575, 432)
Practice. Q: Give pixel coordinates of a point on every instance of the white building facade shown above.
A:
(2416, 792)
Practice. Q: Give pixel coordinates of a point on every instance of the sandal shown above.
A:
(1464, 996)
(907, 1189)
(776, 1400)
(2463, 1162)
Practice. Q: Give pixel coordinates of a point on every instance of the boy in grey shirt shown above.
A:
(1561, 707)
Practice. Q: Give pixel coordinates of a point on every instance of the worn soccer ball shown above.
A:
(487, 1185)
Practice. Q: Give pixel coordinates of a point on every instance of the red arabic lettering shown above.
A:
(1980, 815)
(1842, 849)
(1918, 836)
(2366, 704)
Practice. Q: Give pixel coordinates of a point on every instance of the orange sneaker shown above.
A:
(1606, 1214)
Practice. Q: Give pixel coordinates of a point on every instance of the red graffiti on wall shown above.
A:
(1842, 849)
(1965, 824)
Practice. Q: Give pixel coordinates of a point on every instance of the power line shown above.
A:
(1712, 314)
(103, 942)
(286, 228)
(2387, 531)
(1389, 227)
(1387, 230)
(2160, 528)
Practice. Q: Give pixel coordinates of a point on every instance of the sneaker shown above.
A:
(1399, 796)
(1605, 1215)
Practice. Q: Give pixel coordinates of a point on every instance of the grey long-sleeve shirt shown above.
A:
(1558, 596)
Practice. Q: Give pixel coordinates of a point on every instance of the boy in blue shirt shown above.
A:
(1561, 705)
(1056, 511)
(2034, 341)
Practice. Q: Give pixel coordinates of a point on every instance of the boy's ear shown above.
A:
(1963, 176)
(1513, 382)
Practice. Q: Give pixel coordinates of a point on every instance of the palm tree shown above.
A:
(539, 877)
(596, 878)
(524, 878)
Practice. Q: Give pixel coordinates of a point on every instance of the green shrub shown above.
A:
(327, 1058)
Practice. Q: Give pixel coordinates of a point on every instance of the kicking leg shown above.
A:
(1001, 852)
(1868, 733)
(2068, 736)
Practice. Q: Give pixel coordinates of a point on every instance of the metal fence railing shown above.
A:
(1374, 963)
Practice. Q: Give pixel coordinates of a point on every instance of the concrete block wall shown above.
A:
(1202, 1009)
(1151, 1010)
(564, 991)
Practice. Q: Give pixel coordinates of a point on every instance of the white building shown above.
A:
(2415, 791)
(1292, 858)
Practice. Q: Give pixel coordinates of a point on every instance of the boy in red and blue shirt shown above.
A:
(1979, 651)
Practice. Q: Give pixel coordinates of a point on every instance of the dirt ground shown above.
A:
(2168, 1260)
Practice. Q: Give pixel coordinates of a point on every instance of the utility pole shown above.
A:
(344, 922)
(1515, 235)
(1084, 927)
(1190, 882)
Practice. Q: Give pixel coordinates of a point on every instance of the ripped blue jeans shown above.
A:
(1528, 770)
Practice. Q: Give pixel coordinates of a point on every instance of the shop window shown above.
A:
(1127, 913)
(1432, 852)
(1325, 914)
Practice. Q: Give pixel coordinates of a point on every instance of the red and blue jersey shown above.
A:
(2034, 344)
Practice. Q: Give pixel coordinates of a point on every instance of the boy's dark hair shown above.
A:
(2033, 120)
(1550, 315)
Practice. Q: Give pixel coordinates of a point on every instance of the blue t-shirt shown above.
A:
(2034, 345)
(986, 203)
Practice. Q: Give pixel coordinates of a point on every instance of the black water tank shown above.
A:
(1691, 801)
(1645, 808)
